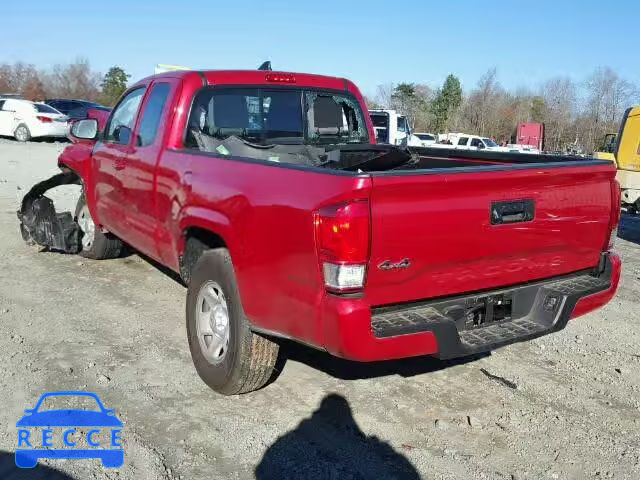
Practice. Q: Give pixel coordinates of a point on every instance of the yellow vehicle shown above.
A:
(607, 149)
(627, 157)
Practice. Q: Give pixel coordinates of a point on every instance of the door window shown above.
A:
(152, 114)
(121, 122)
(475, 142)
(463, 140)
(402, 124)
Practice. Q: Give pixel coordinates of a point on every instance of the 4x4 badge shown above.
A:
(389, 265)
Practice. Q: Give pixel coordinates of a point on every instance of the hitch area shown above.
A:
(480, 311)
(40, 223)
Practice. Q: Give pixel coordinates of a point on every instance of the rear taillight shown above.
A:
(342, 240)
(44, 119)
(615, 214)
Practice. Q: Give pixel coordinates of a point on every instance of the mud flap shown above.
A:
(40, 223)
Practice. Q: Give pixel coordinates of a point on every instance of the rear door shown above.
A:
(9, 116)
(138, 174)
(454, 233)
(6, 120)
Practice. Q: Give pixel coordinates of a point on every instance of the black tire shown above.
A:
(249, 360)
(22, 133)
(104, 245)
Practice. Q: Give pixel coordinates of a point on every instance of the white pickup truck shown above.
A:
(465, 141)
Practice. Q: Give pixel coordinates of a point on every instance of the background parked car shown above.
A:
(24, 120)
(75, 109)
(4, 96)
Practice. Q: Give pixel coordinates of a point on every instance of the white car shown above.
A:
(23, 120)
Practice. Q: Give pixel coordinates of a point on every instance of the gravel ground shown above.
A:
(566, 406)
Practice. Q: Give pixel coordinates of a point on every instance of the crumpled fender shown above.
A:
(40, 223)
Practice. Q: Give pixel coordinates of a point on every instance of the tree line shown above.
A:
(576, 115)
(75, 80)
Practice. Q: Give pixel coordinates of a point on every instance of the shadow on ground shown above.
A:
(9, 471)
(329, 444)
(629, 228)
(348, 370)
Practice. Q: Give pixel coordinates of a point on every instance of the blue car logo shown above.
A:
(98, 422)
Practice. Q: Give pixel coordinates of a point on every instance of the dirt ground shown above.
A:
(566, 406)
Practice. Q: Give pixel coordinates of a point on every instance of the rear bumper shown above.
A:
(354, 330)
(53, 129)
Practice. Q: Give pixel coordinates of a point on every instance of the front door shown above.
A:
(109, 157)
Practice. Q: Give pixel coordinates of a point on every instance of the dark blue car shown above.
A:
(28, 457)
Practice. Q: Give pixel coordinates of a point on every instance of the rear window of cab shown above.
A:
(272, 116)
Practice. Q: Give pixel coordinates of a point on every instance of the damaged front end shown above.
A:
(40, 223)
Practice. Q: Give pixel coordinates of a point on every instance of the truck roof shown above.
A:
(259, 77)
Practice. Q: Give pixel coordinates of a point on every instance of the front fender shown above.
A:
(77, 157)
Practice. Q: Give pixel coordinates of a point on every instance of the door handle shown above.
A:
(119, 163)
(186, 180)
(512, 212)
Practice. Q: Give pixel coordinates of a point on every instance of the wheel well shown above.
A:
(196, 241)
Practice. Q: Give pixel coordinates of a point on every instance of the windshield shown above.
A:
(489, 143)
(269, 116)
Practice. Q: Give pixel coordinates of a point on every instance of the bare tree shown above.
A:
(560, 98)
(607, 96)
(384, 94)
(75, 80)
(481, 110)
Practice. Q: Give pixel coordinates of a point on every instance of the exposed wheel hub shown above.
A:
(87, 226)
(212, 322)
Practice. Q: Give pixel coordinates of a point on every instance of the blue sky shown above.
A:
(368, 42)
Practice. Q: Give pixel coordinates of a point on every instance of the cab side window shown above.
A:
(152, 114)
(476, 142)
(123, 118)
(463, 140)
(403, 125)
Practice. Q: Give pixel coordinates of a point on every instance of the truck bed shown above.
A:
(455, 158)
(381, 158)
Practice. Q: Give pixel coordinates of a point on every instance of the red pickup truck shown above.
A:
(267, 193)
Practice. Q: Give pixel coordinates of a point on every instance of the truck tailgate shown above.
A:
(432, 233)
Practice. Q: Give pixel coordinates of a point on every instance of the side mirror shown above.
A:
(29, 410)
(121, 134)
(86, 129)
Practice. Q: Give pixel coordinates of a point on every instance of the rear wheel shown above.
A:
(227, 355)
(95, 243)
(22, 133)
